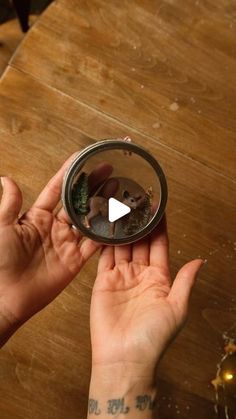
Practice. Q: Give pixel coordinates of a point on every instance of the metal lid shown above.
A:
(80, 162)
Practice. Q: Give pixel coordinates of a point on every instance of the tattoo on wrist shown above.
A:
(117, 406)
(143, 402)
(93, 407)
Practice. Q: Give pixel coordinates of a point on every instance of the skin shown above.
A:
(40, 252)
(136, 310)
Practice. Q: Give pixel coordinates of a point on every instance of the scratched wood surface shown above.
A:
(163, 73)
(10, 37)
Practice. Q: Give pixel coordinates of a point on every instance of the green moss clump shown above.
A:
(80, 194)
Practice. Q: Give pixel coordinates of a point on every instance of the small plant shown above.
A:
(80, 194)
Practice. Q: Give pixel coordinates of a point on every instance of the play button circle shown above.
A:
(116, 210)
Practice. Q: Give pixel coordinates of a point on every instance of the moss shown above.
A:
(80, 194)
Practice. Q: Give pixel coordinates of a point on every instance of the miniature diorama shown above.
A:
(92, 211)
(114, 192)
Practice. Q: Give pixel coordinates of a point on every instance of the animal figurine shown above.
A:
(98, 205)
(133, 201)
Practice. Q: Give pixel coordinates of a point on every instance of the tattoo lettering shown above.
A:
(145, 402)
(93, 407)
(117, 406)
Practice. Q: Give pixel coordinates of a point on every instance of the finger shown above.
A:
(11, 201)
(181, 289)
(155, 206)
(109, 188)
(159, 246)
(98, 176)
(51, 194)
(63, 217)
(141, 250)
(123, 253)
(106, 260)
(76, 233)
(87, 248)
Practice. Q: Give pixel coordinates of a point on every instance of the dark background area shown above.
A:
(7, 11)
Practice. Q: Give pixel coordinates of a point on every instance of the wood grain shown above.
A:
(10, 37)
(142, 57)
(71, 83)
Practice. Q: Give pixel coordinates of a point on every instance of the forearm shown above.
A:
(117, 392)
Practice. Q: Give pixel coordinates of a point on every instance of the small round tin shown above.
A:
(114, 192)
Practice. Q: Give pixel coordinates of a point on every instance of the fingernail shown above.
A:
(204, 262)
(2, 181)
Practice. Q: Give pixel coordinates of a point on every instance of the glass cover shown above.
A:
(114, 194)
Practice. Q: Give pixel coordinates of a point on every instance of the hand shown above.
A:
(40, 252)
(136, 310)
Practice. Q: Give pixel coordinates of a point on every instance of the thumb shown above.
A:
(182, 286)
(11, 201)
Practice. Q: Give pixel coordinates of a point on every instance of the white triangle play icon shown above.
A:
(116, 210)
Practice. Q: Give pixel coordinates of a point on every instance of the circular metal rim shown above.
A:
(113, 144)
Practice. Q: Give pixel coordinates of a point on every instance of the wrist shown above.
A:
(129, 373)
(121, 391)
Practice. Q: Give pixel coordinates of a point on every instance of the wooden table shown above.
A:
(162, 72)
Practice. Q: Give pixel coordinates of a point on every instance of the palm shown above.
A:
(41, 263)
(40, 252)
(134, 309)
